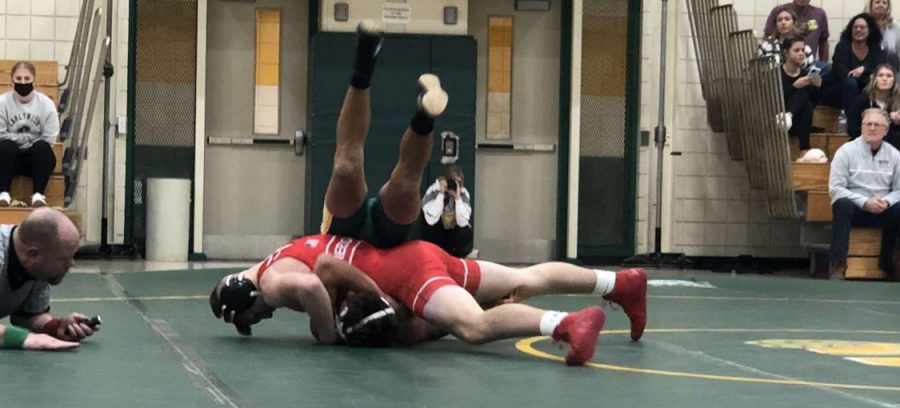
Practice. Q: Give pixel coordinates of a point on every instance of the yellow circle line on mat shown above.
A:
(526, 346)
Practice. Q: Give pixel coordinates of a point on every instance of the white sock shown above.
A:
(550, 320)
(606, 281)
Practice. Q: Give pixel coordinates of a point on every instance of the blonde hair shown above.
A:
(893, 100)
(23, 64)
(884, 22)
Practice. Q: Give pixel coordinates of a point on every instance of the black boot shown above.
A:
(368, 44)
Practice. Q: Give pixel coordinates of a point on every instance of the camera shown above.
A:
(93, 322)
(452, 185)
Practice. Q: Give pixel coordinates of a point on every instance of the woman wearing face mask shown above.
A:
(880, 10)
(28, 127)
(882, 92)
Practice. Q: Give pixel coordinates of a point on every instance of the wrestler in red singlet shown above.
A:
(409, 273)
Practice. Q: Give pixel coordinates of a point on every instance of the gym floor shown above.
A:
(712, 340)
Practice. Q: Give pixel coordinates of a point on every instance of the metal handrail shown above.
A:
(80, 148)
(72, 66)
(75, 110)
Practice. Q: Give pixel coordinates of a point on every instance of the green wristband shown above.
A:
(14, 337)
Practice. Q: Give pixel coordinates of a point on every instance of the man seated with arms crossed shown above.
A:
(864, 186)
(33, 256)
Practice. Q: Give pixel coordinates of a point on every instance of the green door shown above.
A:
(402, 59)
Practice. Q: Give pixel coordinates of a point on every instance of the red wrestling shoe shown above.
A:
(631, 293)
(580, 329)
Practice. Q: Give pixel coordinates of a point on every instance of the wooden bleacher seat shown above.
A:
(56, 189)
(810, 176)
(827, 142)
(46, 80)
(862, 258)
(826, 118)
(818, 206)
(15, 215)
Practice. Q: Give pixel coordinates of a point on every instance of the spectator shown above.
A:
(447, 214)
(801, 89)
(812, 19)
(882, 92)
(864, 186)
(881, 11)
(855, 58)
(785, 26)
(28, 127)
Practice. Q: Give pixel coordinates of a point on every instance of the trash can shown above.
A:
(168, 219)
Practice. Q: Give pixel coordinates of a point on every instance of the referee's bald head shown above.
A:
(46, 242)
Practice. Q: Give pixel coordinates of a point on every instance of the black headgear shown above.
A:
(367, 320)
(236, 296)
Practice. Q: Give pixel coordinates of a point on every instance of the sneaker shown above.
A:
(432, 98)
(38, 200)
(580, 329)
(5, 199)
(368, 45)
(630, 293)
(784, 121)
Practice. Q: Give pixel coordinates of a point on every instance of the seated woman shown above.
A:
(855, 58)
(801, 90)
(28, 127)
(890, 43)
(882, 92)
(785, 26)
(447, 214)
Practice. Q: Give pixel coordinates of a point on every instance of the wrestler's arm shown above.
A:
(337, 274)
(310, 292)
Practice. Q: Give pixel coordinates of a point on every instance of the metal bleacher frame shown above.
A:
(743, 96)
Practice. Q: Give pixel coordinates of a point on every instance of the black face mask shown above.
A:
(24, 89)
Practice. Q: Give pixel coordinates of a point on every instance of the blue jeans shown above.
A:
(824, 68)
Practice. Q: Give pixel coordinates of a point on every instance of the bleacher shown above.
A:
(743, 96)
(21, 189)
(76, 96)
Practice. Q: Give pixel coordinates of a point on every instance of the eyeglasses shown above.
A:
(874, 124)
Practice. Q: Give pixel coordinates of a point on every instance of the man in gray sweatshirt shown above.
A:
(864, 186)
